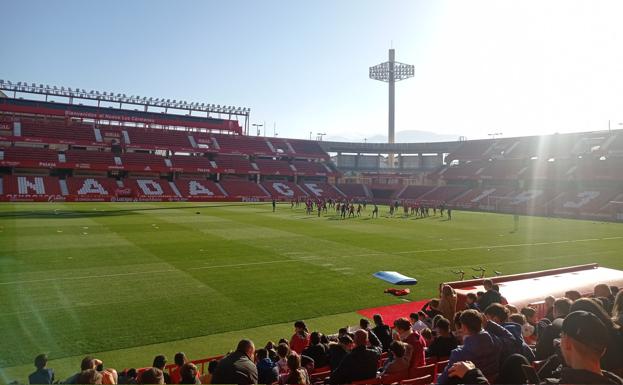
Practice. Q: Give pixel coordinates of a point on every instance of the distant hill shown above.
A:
(408, 136)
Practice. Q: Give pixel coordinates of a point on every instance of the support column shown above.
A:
(392, 106)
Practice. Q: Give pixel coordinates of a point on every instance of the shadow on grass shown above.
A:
(65, 214)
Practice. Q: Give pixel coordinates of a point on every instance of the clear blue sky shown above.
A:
(517, 67)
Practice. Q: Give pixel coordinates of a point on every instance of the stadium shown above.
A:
(134, 227)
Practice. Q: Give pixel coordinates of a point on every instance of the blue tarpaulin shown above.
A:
(395, 278)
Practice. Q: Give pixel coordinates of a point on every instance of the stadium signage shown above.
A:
(116, 117)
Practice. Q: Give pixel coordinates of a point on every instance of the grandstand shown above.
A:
(53, 151)
(63, 152)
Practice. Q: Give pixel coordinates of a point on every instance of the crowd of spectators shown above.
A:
(579, 340)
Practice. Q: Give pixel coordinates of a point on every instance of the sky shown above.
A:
(481, 67)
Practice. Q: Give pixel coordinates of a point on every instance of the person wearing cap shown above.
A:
(583, 341)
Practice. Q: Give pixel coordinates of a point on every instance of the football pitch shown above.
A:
(127, 281)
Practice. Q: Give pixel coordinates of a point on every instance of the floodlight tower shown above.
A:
(390, 72)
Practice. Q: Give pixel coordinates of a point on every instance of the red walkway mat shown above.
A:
(392, 312)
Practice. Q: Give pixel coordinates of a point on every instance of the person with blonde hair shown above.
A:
(447, 302)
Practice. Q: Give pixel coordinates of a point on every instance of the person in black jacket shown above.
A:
(316, 350)
(372, 338)
(237, 367)
(382, 332)
(490, 296)
(338, 351)
(545, 343)
(360, 364)
(444, 343)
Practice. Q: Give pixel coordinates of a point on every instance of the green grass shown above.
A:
(113, 279)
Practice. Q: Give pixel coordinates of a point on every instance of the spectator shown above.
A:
(42, 375)
(490, 296)
(308, 364)
(207, 377)
(545, 342)
(324, 340)
(128, 376)
(573, 295)
(617, 309)
(436, 318)
(267, 371)
(602, 291)
(516, 345)
(517, 318)
(512, 309)
(372, 338)
(272, 351)
(300, 338)
(417, 325)
(179, 359)
(479, 346)
(189, 374)
(398, 363)
(316, 350)
(530, 326)
(431, 309)
(152, 376)
(584, 339)
(527, 331)
(87, 363)
(496, 287)
(109, 375)
(296, 374)
(338, 351)
(444, 343)
(613, 358)
(383, 331)
(359, 364)
(415, 351)
(549, 306)
(427, 334)
(283, 350)
(160, 362)
(237, 367)
(447, 302)
(89, 376)
(471, 302)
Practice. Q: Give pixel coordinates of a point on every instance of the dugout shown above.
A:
(531, 288)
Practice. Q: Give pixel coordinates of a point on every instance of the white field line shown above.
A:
(506, 246)
(297, 260)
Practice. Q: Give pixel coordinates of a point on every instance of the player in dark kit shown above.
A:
(274, 205)
(375, 211)
(449, 213)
